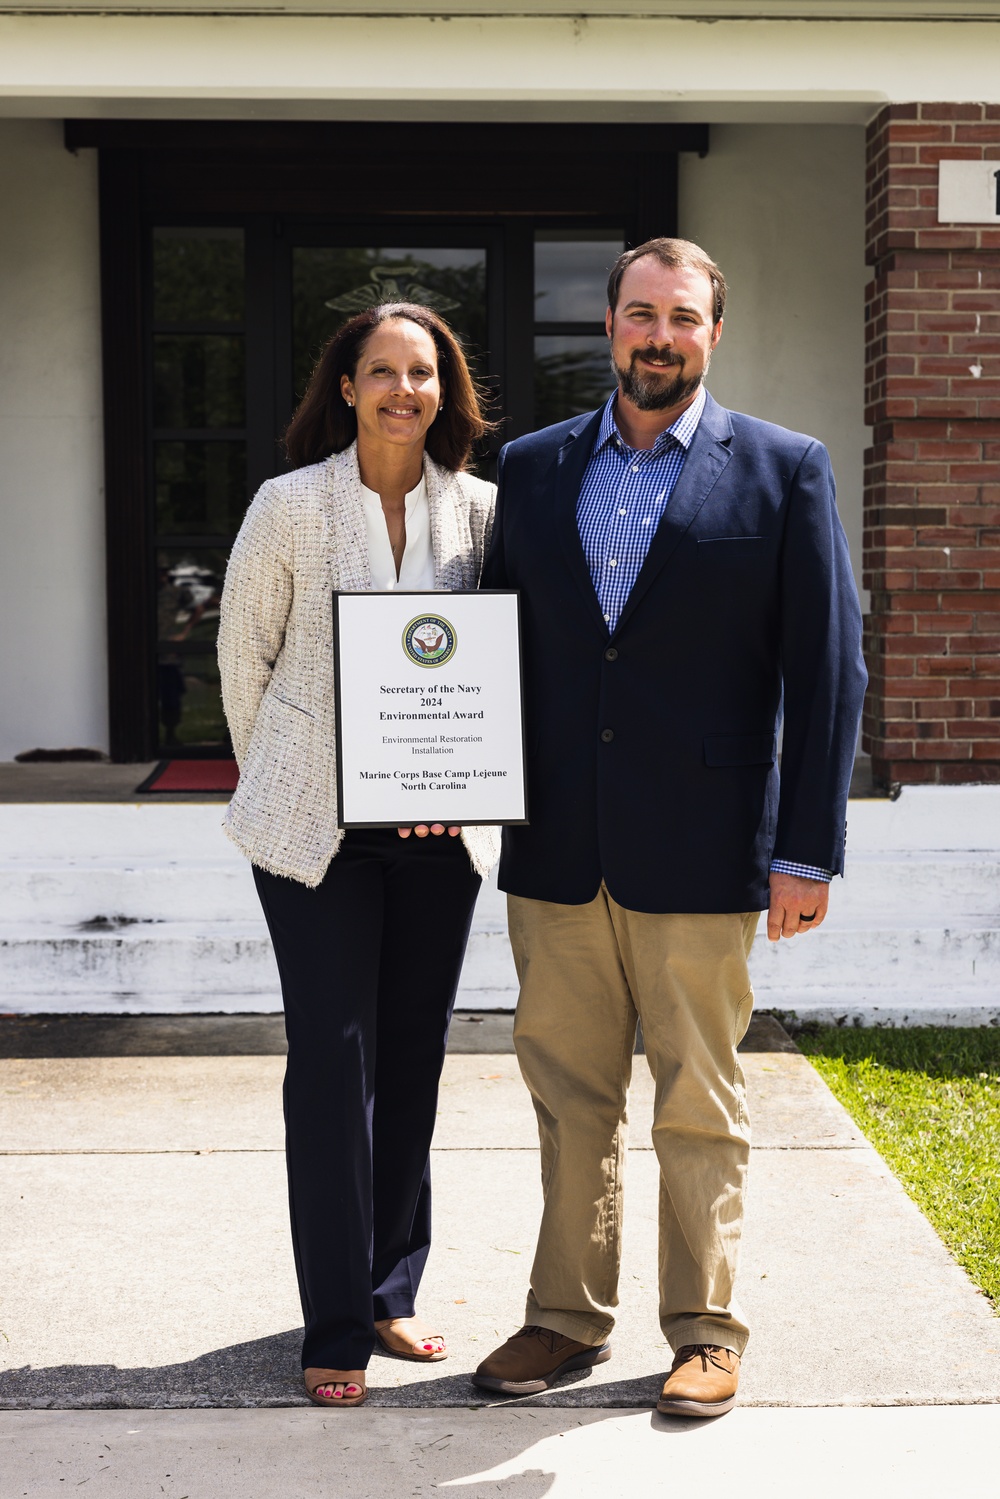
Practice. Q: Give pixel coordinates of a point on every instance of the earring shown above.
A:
(441, 407)
(350, 403)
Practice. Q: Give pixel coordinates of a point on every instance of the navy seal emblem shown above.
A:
(429, 640)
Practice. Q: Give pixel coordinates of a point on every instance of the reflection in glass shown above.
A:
(188, 589)
(572, 375)
(198, 380)
(329, 285)
(571, 273)
(197, 275)
(200, 487)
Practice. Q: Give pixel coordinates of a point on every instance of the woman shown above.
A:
(378, 498)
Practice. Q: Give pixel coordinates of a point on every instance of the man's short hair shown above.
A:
(676, 254)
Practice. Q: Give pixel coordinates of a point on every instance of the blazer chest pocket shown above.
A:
(730, 551)
(739, 749)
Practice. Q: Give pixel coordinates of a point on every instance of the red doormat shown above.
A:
(192, 775)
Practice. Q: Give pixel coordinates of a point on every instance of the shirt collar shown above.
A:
(682, 431)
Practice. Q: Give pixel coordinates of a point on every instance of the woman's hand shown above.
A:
(421, 830)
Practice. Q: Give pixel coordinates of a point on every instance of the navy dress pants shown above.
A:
(369, 963)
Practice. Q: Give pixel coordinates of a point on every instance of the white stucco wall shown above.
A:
(53, 689)
(781, 209)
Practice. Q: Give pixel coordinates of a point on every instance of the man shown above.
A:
(684, 579)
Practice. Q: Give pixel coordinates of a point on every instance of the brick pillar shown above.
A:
(932, 475)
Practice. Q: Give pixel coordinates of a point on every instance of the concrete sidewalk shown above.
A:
(902, 1453)
(147, 1262)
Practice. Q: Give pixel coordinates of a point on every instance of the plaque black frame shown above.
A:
(453, 822)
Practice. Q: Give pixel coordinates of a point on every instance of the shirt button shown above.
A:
(613, 562)
(611, 654)
(635, 468)
(607, 619)
(622, 511)
(607, 735)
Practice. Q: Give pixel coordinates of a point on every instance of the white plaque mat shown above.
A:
(429, 708)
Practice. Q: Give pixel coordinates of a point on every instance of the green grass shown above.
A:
(929, 1100)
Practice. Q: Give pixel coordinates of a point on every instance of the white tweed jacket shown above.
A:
(304, 536)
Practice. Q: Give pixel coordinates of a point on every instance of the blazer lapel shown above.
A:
(707, 457)
(571, 465)
(347, 532)
(451, 539)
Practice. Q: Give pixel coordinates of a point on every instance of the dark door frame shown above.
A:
(508, 176)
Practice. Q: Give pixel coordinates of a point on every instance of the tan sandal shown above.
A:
(317, 1379)
(404, 1344)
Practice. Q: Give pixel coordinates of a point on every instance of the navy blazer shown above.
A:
(651, 750)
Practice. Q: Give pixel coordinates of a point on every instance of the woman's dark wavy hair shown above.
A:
(325, 424)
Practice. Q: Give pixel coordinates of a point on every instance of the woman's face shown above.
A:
(396, 390)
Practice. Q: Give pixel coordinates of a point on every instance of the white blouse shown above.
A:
(417, 567)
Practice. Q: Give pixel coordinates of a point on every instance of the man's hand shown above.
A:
(422, 830)
(792, 899)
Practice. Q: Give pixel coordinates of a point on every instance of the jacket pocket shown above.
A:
(739, 749)
(287, 703)
(730, 549)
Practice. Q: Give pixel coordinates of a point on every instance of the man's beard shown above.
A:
(648, 392)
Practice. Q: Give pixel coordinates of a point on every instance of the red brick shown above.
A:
(962, 775)
(889, 729)
(944, 708)
(948, 152)
(938, 749)
(944, 666)
(952, 451)
(935, 406)
(921, 132)
(915, 689)
(934, 580)
(990, 772)
(927, 624)
(975, 473)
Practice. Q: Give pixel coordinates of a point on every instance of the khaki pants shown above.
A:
(587, 973)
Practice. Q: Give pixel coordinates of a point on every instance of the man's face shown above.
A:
(661, 333)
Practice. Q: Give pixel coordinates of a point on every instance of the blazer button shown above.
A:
(611, 654)
(607, 735)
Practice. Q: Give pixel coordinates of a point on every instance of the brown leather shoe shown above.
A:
(702, 1382)
(533, 1359)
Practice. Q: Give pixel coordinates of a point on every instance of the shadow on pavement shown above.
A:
(264, 1373)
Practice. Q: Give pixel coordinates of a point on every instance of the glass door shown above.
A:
(331, 283)
(237, 315)
(197, 463)
(572, 360)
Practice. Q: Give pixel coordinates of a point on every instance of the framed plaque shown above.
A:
(429, 708)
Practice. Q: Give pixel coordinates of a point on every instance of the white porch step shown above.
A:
(137, 908)
(153, 962)
(884, 889)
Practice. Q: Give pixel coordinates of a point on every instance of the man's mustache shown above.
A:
(664, 355)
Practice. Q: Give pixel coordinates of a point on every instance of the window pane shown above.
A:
(200, 487)
(571, 273)
(198, 380)
(330, 285)
(572, 375)
(198, 275)
(188, 589)
(190, 701)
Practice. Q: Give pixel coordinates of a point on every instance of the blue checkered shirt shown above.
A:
(624, 494)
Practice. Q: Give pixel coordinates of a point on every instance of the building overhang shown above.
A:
(836, 61)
